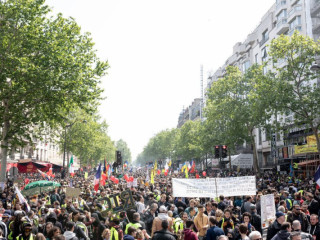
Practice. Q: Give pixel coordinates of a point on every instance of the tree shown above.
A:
(188, 146)
(237, 106)
(89, 141)
(125, 151)
(47, 68)
(295, 84)
(159, 147)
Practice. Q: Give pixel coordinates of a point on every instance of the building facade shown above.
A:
(284, 17)
(190, 113)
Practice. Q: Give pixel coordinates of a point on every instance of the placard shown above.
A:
(73, 192)
(268, 210)
(214, 187)
(113, 203)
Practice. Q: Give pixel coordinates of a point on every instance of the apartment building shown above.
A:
(190, 113)
(284, 17)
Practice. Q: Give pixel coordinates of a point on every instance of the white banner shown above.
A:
(268, 210)
(186, 187)
(214, 187)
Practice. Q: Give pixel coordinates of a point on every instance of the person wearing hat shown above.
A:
(26, 233)
(275, 227)
(255, 218)
(156, 225)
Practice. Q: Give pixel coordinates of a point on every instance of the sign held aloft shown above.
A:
(126, 198)
(214, 187)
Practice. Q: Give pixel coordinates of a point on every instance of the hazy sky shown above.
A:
(155, 49)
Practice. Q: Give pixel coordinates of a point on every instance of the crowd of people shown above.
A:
(157, 214)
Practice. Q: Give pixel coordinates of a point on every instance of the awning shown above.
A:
(308, 162)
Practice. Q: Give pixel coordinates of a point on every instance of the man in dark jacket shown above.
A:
(314, 227)
(274, 228)
(149, 216)
(296, 214)
(284, 232)
(255, 218)
(52, 217)
(98, 228)
(214, 231)
(313, 204)
(164, 234)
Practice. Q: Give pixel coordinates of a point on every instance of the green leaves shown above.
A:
(47, 65)
(295, 82)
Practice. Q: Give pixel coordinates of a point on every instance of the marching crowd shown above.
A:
(157, 214)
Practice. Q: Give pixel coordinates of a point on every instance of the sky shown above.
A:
(155, 50)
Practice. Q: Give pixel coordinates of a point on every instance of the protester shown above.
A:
(214, 231)
(275, 227)
(164, 234)
(188, 233)
(284, 232)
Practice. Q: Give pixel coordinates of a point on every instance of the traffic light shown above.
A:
(217, 151)
(118, 158)
(224, 151)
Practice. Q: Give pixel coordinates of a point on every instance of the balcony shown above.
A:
(293, 12)
(282, 26)
(315, 8)
(263, 41)
(293, 29)
(280, 6)
(316, 26)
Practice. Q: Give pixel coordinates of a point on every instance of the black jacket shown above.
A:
(302, 218)
(313, 207)
(273, 229)
(256, 222)
(314, 230)
(98, 228)
(164, 235)
(282, 235)
(52, 217)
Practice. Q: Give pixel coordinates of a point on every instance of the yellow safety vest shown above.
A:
(178, 224)
(114, 234)
(223, 223)
(135, 225)
(19, 237)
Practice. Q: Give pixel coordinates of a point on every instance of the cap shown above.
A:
(162, 209)
(279, 214)
(252, 206)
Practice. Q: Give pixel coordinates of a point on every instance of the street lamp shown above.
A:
(65, 145)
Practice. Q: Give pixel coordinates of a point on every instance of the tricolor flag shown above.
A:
(71, 169)
(97, 178)
(317, 177)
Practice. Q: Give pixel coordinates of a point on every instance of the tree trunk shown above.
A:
(4, 151)
(255, 157)
(229, 159)
(315, 132)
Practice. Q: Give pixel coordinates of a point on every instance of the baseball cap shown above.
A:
(279, 214)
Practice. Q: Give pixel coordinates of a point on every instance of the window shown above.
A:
(245, 66)
(296, 22)
(265, 36)
(282, 14)
(256, 58)
(264, 54)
